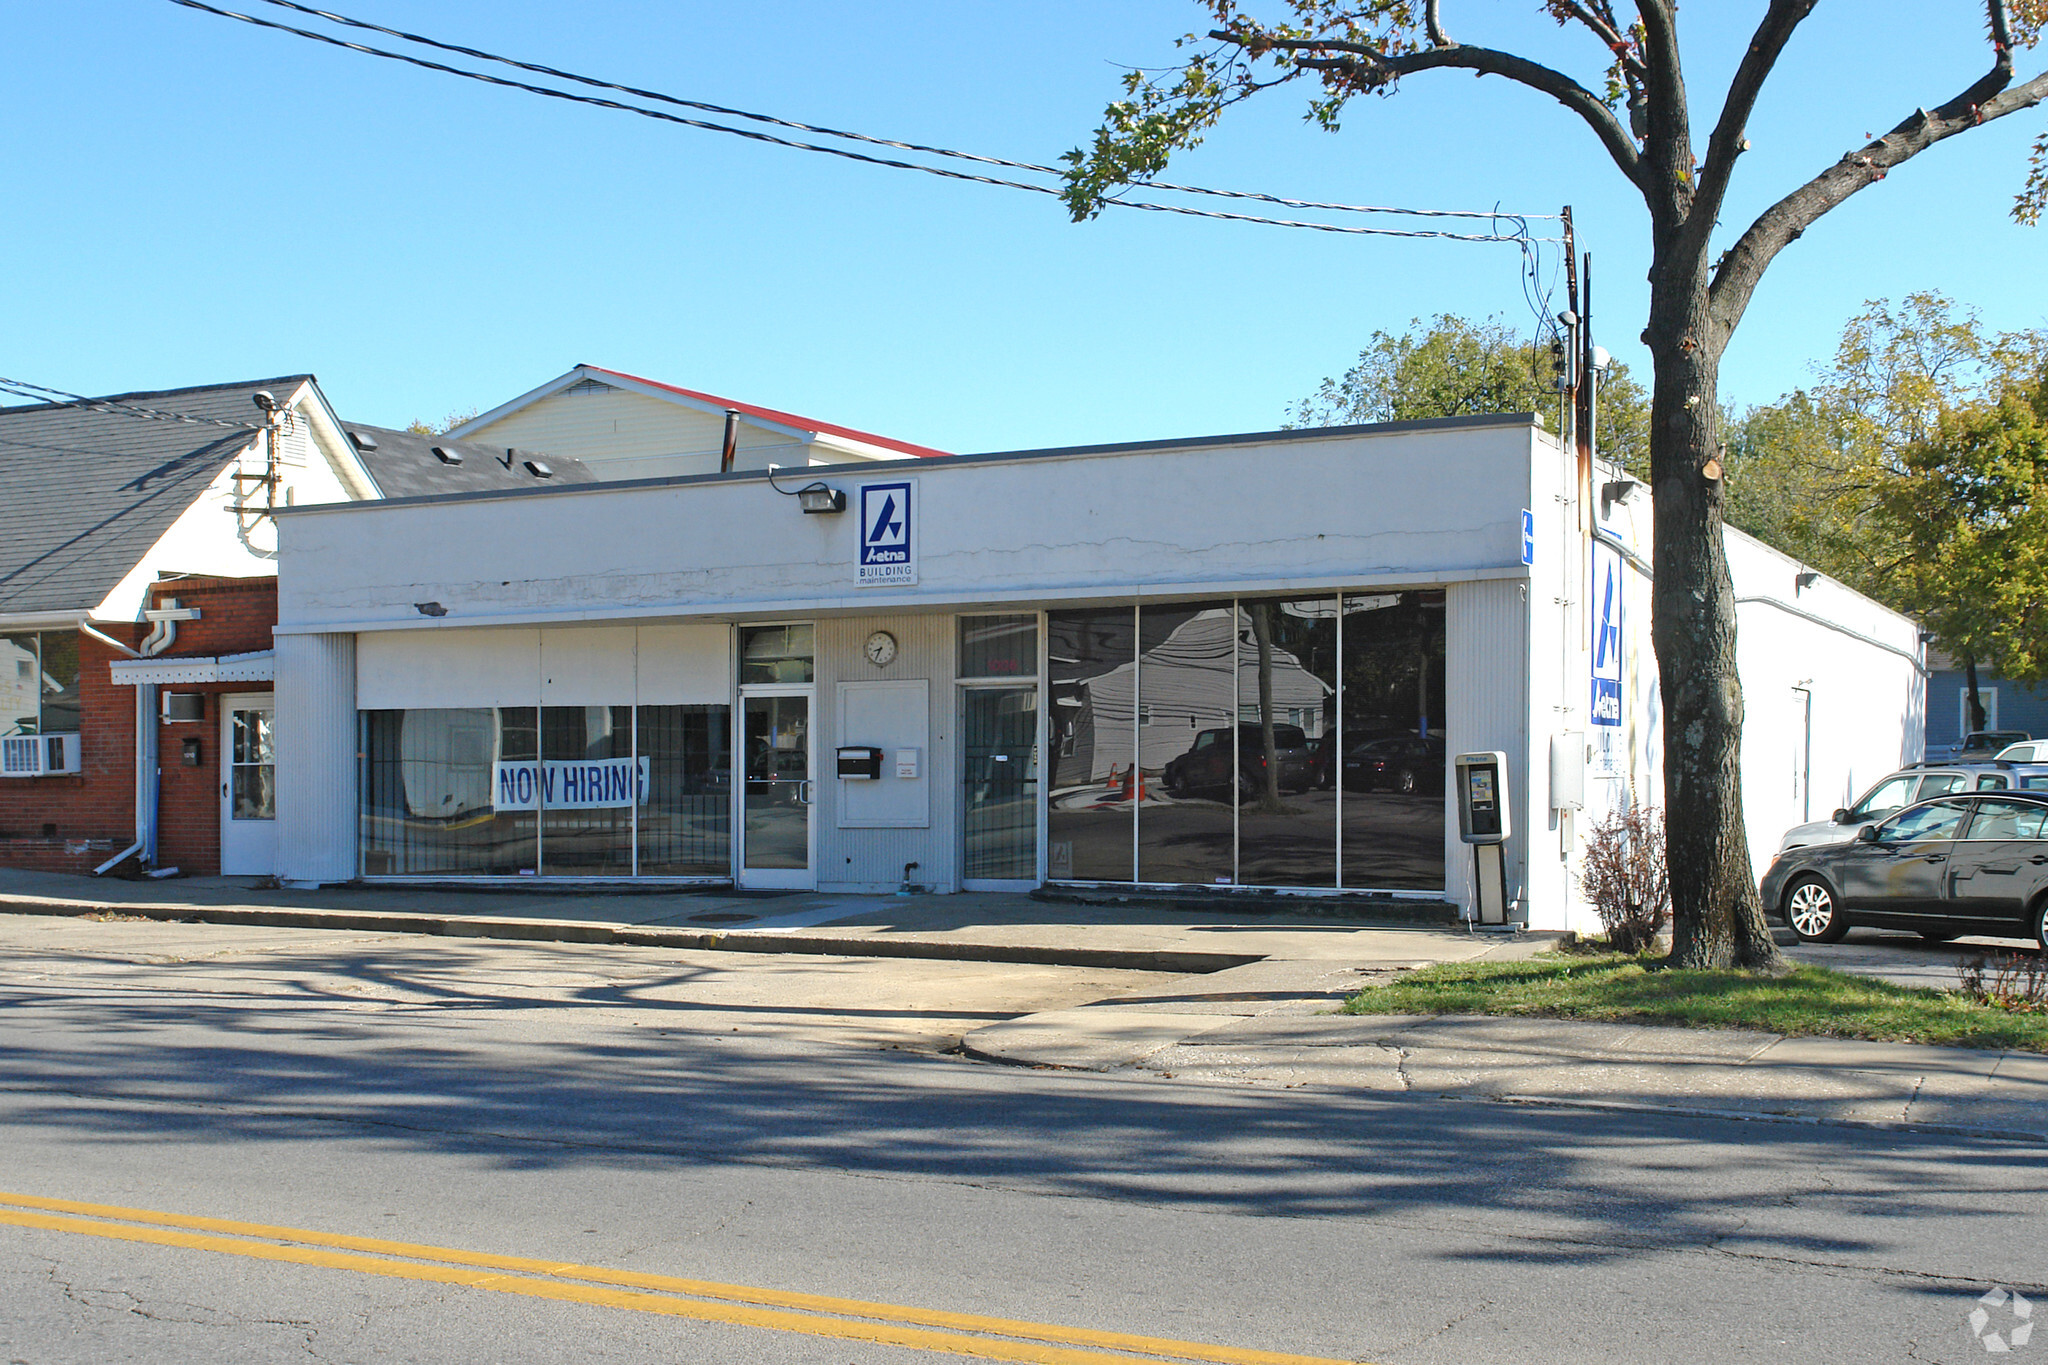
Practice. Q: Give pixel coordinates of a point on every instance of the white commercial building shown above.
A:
(1235, 661)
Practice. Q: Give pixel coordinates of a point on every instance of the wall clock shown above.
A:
(881, 648)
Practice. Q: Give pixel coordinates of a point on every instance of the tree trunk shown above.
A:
(1717, 920)
(1975, 720)
(1262, 632)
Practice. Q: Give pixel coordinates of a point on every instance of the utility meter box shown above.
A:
(860, 763)
(1483, 797)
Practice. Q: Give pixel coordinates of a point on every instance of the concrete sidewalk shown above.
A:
(1242, 999)
(1271, 1024)
(981, 927)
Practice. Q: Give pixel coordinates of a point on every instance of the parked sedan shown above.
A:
(1961, 864)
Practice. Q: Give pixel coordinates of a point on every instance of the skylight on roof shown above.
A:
(447, 456)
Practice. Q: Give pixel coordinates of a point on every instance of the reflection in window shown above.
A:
(776, 654)
(1244, 758)
(686, 814)
(453, 791)
(1287, 693)
(999, 646)
(589, 786)
(39, 683)
(1093, 685)
(1187, 760)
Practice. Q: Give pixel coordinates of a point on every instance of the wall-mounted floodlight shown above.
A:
(820, 497)
(1614, 491)
(1804, 579)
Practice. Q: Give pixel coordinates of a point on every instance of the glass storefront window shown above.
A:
(685, 813)
(590, 785)
(1393, 741)
(1219, 727)
(1188, 754)
(1287, 709)
(454, 791)
(777, 654)
(519, 790)
(39, 683)
(1089, 779)
(999, 646)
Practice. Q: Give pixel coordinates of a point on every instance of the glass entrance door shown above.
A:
(999, 764)
(248, 786)
(775, 818)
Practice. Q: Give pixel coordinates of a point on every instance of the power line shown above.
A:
(1520, 234)
(820, 129)
(42, 393)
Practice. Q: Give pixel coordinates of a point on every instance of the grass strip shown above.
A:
(1613, 988)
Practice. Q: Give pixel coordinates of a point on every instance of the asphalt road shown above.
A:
(450, 1127)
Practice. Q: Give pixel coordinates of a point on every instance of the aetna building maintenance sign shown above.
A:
(888, 533)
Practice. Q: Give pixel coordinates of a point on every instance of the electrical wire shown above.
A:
(42, 393)
(1519, 233)
(729, 112)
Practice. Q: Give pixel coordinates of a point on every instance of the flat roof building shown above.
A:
(1232, 661)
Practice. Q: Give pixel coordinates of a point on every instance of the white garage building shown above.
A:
(1231, 661)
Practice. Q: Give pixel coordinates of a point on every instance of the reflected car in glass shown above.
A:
(1209, 762)
(1412, 765)
(1972, 863)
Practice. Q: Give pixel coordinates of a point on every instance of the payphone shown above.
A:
(1484, 823)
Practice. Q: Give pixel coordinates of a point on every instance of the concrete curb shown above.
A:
(584, 931)
(1979, 1132)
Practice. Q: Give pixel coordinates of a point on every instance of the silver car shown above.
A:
(1903, 788)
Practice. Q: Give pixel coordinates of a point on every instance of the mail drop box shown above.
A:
(860, 763)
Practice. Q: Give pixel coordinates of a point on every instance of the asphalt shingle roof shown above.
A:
(84, 492)
(405, 466)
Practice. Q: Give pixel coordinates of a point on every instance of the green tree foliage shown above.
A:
(1640, 109)
(1452, 367)
(1963, 526)
(1806, 473)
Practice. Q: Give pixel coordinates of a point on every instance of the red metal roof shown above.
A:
(786, 418)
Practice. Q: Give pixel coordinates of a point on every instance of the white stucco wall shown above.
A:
(1342, 511)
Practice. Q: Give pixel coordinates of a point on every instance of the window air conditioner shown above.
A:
(38, 755)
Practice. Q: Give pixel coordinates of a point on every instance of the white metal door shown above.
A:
(777, 830)
(248, 785)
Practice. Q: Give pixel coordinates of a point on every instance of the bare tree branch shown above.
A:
(1780, 225)
(1606, 30)
(1368, 68)
(1433, 25)
(1727, 143)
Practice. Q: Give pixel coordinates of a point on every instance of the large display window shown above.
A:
(560, 790)
(1285, 742)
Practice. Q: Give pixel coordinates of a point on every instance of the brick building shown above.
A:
(137, 597)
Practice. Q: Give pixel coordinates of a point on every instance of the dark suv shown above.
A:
(1208, 764)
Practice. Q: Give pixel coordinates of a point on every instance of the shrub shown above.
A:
(1625, 879)
(2010, 981)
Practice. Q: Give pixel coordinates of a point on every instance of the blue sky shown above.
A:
(194, 200)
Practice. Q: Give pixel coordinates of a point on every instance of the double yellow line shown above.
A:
(774, 1310)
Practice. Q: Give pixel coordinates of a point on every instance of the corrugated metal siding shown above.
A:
(316, 770)
(873, 859)
(1486, 699)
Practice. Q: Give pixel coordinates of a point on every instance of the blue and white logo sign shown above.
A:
(1528, 536)
(1607, 640)
(888, 533)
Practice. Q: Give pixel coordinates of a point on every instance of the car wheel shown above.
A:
(1175, 784)
(2041, 923)
(1404, 782)
(1811, 910)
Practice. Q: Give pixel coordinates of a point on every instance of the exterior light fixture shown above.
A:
(1614, 491)
(821, 497)
(1804, 579)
